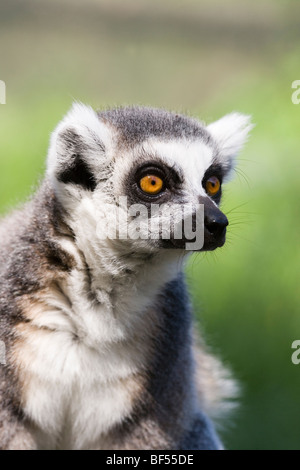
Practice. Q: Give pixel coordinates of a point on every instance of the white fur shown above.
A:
(230, 134)
(81, 367)
(76, 396)
(193, 157)
(83, 120)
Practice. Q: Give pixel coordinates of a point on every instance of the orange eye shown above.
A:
(151, 184)
(212, 185)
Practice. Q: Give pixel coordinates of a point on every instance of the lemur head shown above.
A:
(149, 156)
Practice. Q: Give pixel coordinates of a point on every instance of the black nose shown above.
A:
(215, 222)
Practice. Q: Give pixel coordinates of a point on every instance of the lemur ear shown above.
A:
(230, 134)
(78, 148)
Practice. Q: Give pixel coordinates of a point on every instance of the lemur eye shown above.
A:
(151, 184)
(212, 185)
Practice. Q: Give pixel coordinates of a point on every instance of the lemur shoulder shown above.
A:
(99, 332)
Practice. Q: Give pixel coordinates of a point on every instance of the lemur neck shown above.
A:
(121, 270)
(111, 304)
(108, 289)
(128, 281)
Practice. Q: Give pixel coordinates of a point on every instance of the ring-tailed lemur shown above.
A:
(98, 332)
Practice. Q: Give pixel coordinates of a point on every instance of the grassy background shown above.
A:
(206, 58)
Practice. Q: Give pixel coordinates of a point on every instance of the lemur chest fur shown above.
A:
(83, 355)
(99, 327)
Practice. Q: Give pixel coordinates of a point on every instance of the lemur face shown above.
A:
(149, 156)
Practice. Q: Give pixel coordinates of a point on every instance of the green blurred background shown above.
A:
(206, 58)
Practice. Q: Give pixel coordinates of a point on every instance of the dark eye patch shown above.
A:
(171, 176)
(218, 171)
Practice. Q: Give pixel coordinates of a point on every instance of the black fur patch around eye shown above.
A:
(78, 173)
(214, 170)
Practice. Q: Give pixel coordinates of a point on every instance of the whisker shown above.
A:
(237, 235)
(237, 207)
(242, 175)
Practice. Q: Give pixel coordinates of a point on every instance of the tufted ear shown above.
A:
(230, 134)
(79, 147)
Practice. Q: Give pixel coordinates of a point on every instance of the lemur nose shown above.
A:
(215, 221)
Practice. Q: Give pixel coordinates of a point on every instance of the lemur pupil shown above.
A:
(153, 182)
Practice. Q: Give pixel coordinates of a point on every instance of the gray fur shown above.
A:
(168, 411)
(165, 404)
(137, 124)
